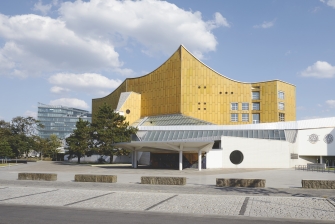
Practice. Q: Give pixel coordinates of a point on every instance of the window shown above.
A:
(255, 106)
(281, 95)
(255, 118)
(234, 106)
(245, 117)
(281, 117)
(234, 117)
(255, 95)
(245, 106)
(281, 106)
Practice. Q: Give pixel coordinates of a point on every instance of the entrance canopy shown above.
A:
(168, 146)
(161, 146)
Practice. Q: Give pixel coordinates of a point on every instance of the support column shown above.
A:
(321, 160)
(135, 159)
(199, 160)
(180, 160)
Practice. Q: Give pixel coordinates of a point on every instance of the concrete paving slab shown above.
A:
(288, 207)
(202, 204)
(132, 201)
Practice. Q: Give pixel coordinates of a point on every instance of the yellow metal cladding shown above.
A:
(111, 99)
(185, 85)
(207, 95)
(131, 108)
(160, 89)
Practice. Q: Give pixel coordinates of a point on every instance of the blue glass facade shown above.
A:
(59, 120)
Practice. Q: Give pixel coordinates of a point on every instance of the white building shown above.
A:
(265, 145)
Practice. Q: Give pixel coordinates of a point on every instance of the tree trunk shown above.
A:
(78, 158)
(111, 159)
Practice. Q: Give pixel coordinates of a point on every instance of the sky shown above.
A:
(66, 53)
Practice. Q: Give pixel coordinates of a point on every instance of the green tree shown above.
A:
(110, 128)
(41, 146)
(54, 143)
(5, 129)
(80, 141)
(5, 149)
(23, 131)
(25, 125)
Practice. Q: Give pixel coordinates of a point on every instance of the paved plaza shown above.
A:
(282, 197)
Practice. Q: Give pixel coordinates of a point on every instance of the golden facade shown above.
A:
(185, 85)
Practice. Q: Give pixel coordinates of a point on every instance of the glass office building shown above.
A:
(59, 120)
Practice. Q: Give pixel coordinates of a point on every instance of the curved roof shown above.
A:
(182, 46)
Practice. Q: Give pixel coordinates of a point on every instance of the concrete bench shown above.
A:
(318, 184)
(38, 176)
(223, 182)
(164, 180)
(95, 178)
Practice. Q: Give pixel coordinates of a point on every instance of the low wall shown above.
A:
(38, 176)
(220, 182)
(164, 180)
(95, 178)
(318, 184)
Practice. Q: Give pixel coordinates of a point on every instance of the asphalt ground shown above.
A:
(23, 214)
(197, 199)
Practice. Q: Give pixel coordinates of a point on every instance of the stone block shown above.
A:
(164, 180)
(38, 176)
(95, 178)
(222, 182)
(318, 184)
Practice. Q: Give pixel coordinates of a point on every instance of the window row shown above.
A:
(256, 95)
(263, 134)
(255, 106)
(245, 118)
(245, 106)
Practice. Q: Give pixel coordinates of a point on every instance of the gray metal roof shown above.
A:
(169, 120)
(210, 135)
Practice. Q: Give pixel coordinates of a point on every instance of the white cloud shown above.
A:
(218, 21)
(158, 25)
(330, 3)
(320, 69)
(84, 35)
(70, 102)
(37, 44)
(57, 89)
(87, 82)
(265, 25)
(44, 9)
(30, 113)
(331, 103)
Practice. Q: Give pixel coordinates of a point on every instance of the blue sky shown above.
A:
(68, 52)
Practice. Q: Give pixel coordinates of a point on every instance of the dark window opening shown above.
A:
(236, 157)
(217, 144)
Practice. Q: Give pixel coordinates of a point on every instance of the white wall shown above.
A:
(258, 153)
(214, 159)
(320, 148)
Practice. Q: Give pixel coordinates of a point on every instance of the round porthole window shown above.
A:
(127, 111)
(236, 157)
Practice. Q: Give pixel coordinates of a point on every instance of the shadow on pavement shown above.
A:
(265, 191)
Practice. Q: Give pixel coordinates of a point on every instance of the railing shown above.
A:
(316, 167)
